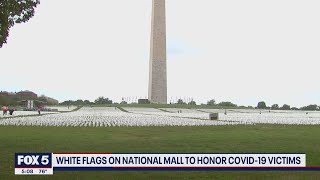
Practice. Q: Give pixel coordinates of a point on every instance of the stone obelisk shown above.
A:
(158, 54)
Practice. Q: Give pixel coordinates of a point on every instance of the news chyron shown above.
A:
(33, 164)
(47, 163)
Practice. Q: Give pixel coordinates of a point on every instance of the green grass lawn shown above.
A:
(229, 139)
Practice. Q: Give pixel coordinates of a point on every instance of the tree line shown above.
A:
(261, 105)
(102, 100)
(21, 101)
(311, 107)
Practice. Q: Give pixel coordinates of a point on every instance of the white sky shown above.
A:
(242, 51)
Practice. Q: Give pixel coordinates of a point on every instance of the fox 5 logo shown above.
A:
(33, 159)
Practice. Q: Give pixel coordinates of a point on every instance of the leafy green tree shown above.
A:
(180, 101)
(67, 103)
(212, 102)
(102, 100)
(192, 103)
(9, 100)
(4, 100)
(123, 102)
(227, 104)
(285, 107)
(79, 102)
(311, 107)
(12, 12)
(275, 107)
(262, 105)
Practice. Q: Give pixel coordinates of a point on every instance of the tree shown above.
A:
(102, 100)
(262, 105)
(12, 12)
(9, 100)
(311, 107)
(123, 102)
(285, 107)
(79, 102)
(227, 104)
(212, 102)
(192, 103)
(67, 103)
(180, 101)
(4, 100)
(275, 106)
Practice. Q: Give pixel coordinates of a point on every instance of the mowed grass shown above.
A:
(215, 139)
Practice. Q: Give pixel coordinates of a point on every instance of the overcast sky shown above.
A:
(242, 51)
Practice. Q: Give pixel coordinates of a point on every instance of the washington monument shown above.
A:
(158, 54)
